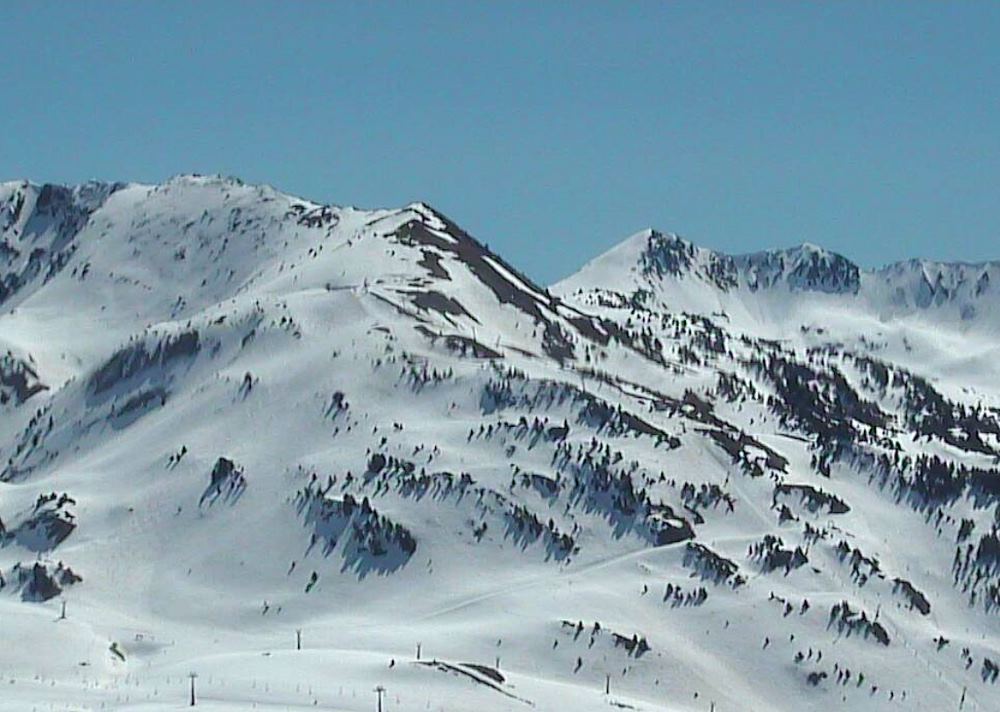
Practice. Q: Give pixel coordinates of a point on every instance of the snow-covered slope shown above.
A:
(679, 480)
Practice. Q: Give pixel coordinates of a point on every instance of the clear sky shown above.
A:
(550, 130)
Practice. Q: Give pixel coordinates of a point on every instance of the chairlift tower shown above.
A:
(193, 676)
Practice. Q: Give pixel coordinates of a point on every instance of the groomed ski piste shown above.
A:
(304, 452)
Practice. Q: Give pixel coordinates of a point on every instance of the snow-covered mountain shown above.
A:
(952, 295)
(235, 423)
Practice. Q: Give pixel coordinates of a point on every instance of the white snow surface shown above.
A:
(229, 416)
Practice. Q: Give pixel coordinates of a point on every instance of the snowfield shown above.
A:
(306, 451)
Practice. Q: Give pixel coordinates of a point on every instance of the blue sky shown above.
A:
(549, 130)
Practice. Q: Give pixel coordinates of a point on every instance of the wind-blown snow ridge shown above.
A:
(304, 450)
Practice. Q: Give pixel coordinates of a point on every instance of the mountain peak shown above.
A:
(806, 267)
